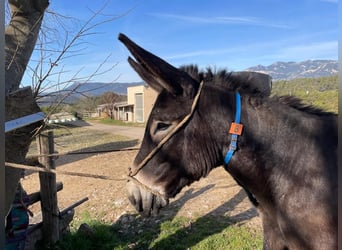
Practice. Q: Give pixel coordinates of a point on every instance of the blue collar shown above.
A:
(235, 130)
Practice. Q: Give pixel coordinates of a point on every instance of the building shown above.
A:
(140, 100)
(117, 111)
(124, 111)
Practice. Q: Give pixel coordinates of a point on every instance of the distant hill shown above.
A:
(293, 70)
(278, 71)
(321, 92)
(98, 88)
(74, 92)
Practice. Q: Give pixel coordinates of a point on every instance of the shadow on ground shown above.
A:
(98, 149)
(135, 232)
(89, 151)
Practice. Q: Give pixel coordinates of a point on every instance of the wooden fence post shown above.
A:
(48, 190)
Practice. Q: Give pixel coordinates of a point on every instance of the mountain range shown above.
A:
(278, 71)
(292, 70)
(98, 88)
(77, 90)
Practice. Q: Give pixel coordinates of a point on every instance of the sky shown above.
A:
(226, 34)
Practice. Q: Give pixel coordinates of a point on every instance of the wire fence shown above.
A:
(88, 152)
(39, 168)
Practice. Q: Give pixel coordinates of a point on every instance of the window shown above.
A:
(139, 107)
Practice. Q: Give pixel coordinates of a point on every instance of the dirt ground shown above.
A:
(217, 194)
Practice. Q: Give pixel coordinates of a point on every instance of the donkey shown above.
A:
(282, 152)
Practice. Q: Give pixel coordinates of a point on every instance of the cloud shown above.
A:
(229, 20)
(250, 21)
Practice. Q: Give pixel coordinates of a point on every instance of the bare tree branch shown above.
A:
(72, 47)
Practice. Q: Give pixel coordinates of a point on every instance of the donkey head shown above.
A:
(160, 175)
(163, 167)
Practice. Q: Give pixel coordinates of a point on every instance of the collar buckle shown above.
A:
(235, 130)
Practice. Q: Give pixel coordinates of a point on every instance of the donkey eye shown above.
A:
(161, 126)
(159, 129)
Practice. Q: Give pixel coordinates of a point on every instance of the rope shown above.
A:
(148, 189)
(55, 171)
(86, 152)
(169, 135)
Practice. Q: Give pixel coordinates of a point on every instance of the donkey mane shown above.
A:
(224, 78)
(220, 77)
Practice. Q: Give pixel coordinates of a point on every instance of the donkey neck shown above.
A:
(277, 127)
(280, 143)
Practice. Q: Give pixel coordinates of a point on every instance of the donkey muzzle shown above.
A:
(145, 202)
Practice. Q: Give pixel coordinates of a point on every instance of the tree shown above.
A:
(20, 38)
(109, 99)
(85, 105)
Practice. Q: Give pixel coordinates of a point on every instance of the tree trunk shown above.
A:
(20, 37)
(17, 142)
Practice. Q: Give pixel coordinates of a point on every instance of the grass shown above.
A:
(205, 233)
(179, 233)
(109, 121)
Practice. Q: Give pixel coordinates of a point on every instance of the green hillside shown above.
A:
(321, 92)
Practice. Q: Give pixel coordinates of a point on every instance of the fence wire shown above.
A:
(86, 152)
(40, 168)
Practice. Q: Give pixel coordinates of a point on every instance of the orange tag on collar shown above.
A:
(236, 128)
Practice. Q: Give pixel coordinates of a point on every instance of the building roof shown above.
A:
(116, 105)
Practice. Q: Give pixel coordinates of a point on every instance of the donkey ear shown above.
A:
(261, 83)
(157, 73)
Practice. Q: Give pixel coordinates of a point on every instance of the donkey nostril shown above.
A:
(133, 170)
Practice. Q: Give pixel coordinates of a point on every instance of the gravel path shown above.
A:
(132, 132)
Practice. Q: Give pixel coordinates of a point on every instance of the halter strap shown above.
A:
(235, 130)
(169, 135)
